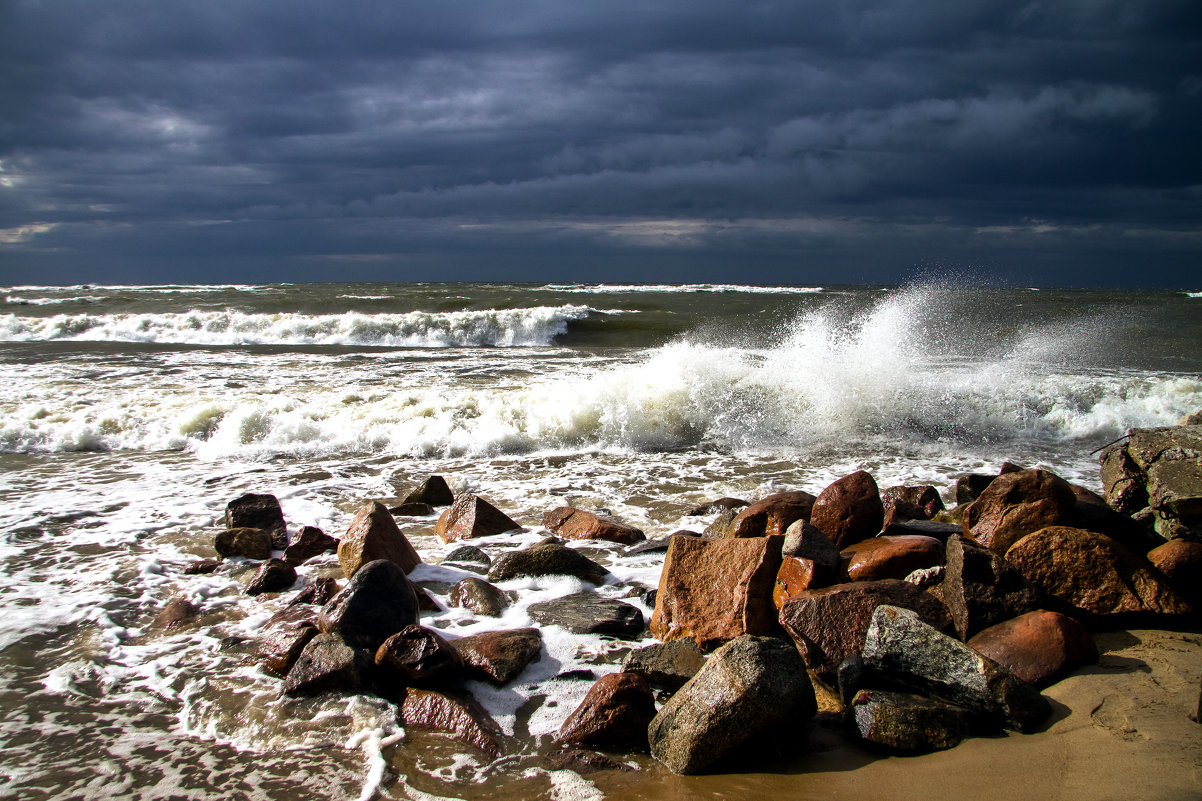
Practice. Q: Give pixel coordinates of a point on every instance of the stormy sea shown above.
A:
(131, 415)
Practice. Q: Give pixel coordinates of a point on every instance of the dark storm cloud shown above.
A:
(781, 141)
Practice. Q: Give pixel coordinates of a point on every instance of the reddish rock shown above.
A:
(576, 524)
(177, 612)
(1038, 647)
(924, 496)
(1181, 562)
(326, 663)
(898, 512)
(981, 589)
(417, 655)
(311, 542)
(320, 592)
(261, 512)
(499, 656)
(1095, 575)
(828, 625)
(274, 575)
(849, 510)
(249, 543)
(614, 714)
(770, 516)
(457, 715)
(372, 535)
(795, 575)
(716, 590)
(283, 645)
(879, 558)
(1017, 504)
(471, 516)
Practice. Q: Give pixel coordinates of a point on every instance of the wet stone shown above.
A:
(274, 575)
(589, 613)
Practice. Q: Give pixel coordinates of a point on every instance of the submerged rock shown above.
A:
(571, 523)
(589, 613)
(249, 543)
(458, 715)
(178, 612)
(468, 557)
(261, 512)
(547, 559)
(283, 645)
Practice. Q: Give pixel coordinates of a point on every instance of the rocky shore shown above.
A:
(876, 617)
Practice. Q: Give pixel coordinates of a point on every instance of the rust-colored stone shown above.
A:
(716, 590)
(1038, 647)
(1017, 504)
(1181, 562)
(372, 535)
(613, 715)
(894, 557)
(771, 516)
(417, 655)
(283, 645)
(471, 516)
(849, 510)
(795, 576)
(925, 497)
(499, 656)
(461, 716)
(571, 523)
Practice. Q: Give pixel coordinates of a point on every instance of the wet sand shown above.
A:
(1121, 729)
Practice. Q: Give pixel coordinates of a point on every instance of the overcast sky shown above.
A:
(834, 141)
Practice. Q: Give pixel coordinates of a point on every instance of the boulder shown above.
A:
(259, 511)
(809, 560)
(327, 664)
(376, 603)
(249, 543)
(1094, 514)
(283, 645)
(667, 665)
(613, 715)
(770, 516)
(749, 687)
(311, 542)
(1095, 576)
(884, 557)
(418, 656)
(904, 723)
(970, 486)
(718, 505)
(468, 557)
(795, 576)
(1017, 504)
(319, 592)
(1159, 468)
(471, 516)
(1039, 647)
(716, 590)
(479, 596)
(1175, 493)
(828, 625)
(981, 589)
(589, 613)
(899, 645)
(177, 612)
(925, 497)
(849, 510)
(434, 491)
(372, 535)
(806, 541)
(898, 511)
(571, 523)
(274, 575)
(923, 528)
(1181, 562)
(546, 559)
(458, 715)
(499, 656)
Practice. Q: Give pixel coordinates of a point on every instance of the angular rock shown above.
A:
(468, 557)
(828, 625)
(283, 645)
(479, 596)
(1018, 504)
(925, 497)
(249, 543)
(571, 523)
(982, 589)
(796, 576)
(1094, 514)
(721, 525)
(1094, 575)
(1159, 468)
(901, 646)
(434, 491)
(667, 665)
(1181, 562)
(460, 716)
(319, 592)
(969, 487)
(806, 541)
(471, 516)
(716, 590)
(376, 603)
(373, 534)
(747, 688)
(327, 664)
(849, 510)
(809, 560)
(897, 511)
(1039, 647)
(904, 723)
(884, 557)
(589, 613)
(258, 511)
(177, 612)
(418, 656)
(311, 542)
(274, 575)
(923, 528)
(1175, 493)
(547, 559)
(770, 516)
(499, 656)
(613, 715)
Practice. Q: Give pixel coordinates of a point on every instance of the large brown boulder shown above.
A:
(372, 535)
(1038, 647)
(1017, 504)
(1181, 562)
(376, 603)
(1094, 575)
(828, 625)
(471, 516)
(716, 590)
(923, 497)
(460, 716)
(571, 523)
(849, 510)
(888, 557)
(981, 589)
(499, 656)
(613, 715)
(770, 516)
(258, 511)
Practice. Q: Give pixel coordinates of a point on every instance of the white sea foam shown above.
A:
(1194, 294)
(596, 289)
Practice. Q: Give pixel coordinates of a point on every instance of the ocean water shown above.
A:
(130, 416)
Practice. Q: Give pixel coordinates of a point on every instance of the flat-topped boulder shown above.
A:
(982, 589)
(469, 517)
(589, 613)
(905, 723)
(547, 559)
(499, 656)
(373, 534)
(571, 523)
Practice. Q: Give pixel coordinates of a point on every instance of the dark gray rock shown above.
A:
(668, 665)
(433, 491)
(749, 687)
(412, 510)
(326, 664)
(479, 596)
(589, 613)
(418, 656)
(923, 528)
(718, 505)
(468, 557)
(904, 723)
(258, 511)
(982, 589)
(319, 592)
(274, 575)
(311, 542)
(546, 559)
(805, 541)
(249, 543)
(376, 603)
(969, 487)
